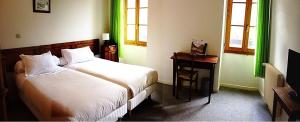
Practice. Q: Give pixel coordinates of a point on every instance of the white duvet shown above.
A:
(134, 78)
(86, 97)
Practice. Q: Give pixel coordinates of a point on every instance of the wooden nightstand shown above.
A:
(110, 52)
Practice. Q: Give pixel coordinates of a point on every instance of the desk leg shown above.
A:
(174, 76)
(274, 107)
(211, 81)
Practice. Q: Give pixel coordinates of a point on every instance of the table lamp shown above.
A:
(105, 37)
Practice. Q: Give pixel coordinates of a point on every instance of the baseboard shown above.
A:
(165, 82)
(261, 93)
(239, 87)
(261, 87)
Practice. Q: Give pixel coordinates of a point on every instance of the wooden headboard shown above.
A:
(11, 56)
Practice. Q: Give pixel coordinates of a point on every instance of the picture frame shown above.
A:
(41, 6)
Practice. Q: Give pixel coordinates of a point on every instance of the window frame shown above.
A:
(135, 42)
(246, 30)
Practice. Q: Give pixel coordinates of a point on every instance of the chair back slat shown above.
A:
(183, 63)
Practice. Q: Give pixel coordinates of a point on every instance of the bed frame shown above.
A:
(9, 57)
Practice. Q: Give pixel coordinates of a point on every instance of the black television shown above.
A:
(293, 74)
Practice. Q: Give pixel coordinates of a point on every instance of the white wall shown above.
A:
(136, 55)
(238, 71)
(172, 26)
(69, 20)
(285, 31)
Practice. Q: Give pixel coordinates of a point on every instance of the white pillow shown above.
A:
(62, 61)
(19, 67)
(77, 55)
(39, 64)
(56, 60)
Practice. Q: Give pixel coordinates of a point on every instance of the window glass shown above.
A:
(143, 33)
(253, 15)
(131, 3)
(239, 0)
(236, 36)
(131, 16)
(143, 3)
(130, 32)
(252, 38)
(143, 16)
(238, 14)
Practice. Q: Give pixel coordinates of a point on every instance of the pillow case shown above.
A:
(77, 55)
(56, 60)
(38, 64)
(62, 61)
(19, 67)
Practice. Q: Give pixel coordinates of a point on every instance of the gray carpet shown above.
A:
(226, 105)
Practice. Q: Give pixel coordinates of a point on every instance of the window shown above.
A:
(136, 22)
(241, 27)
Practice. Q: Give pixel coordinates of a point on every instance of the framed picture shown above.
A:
(41, 6)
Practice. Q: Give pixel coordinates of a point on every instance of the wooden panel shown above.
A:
(3, 91)
(56, 48)
(11, 56)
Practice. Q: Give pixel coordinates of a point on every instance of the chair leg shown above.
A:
(177, 87)
(196, 85)
(190, 91)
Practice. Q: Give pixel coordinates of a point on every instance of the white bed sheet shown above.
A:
(134, 78)
(85, 97)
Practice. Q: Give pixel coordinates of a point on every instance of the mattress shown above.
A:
(70, 95)
(134, 78)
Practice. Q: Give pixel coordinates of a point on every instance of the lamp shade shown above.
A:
(105, 36)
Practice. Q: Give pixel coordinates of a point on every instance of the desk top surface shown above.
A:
(203, 59)
(282, 93)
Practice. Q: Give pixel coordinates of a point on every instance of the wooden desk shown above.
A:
(291, 107)
(201, 62)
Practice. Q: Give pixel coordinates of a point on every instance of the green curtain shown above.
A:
(116, 22)
(263, 37)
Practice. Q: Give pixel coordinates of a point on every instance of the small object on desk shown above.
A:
(198, 47)
(291, 107)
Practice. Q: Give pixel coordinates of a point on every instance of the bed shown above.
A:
(139, 81)
(11, 56)
(72, 95)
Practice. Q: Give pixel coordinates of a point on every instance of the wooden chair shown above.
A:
(185, 72)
